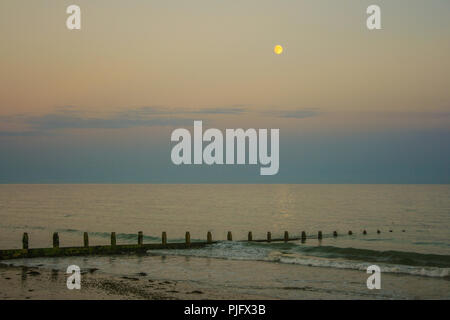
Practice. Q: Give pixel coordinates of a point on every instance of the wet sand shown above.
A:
(39, 283)
(176, 277)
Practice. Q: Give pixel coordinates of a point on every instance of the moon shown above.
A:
(278, 49)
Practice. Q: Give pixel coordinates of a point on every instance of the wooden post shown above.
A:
(209, 237)
(140, 238)
(164, 238)
(86, 239)
(350, 232)
(25, 241)
(269, 236)
(335, 234)
(113, 238)
(55, 240)
(188, 238)
(303, 236)
(286, 236)
(319, 235)
(229, 236)
(250, 236)
(364, 232)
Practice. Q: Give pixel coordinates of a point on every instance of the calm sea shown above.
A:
(414, 242)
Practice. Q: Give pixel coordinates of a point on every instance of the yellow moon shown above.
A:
(278, 49)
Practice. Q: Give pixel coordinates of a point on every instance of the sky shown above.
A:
(98, 105)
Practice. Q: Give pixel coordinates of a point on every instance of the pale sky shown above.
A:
(137, 69)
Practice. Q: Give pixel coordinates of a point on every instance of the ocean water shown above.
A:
(414, 238)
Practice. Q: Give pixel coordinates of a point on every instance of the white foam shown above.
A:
(242, 251)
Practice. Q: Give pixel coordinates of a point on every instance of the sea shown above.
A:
(407, 235)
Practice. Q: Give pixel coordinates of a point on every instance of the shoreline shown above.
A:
(166, 277)
(38, 283)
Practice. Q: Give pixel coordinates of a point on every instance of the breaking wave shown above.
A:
(430, 265)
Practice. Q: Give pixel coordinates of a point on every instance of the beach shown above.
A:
(406, 237)
(24, 283)
(174, 277)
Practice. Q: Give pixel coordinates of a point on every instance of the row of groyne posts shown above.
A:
(114, 248)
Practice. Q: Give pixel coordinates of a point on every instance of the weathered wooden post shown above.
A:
(55, 240)
(303, 236)
(335, 234)
(229, 236)
(350, 232)
(113, 239)
(269, 236)
(319, 235)
(364, 232)
(188, 238)
(140, 238)
(164, 238)
(25, 241)
(250, 236)
(86, 239)
(209, 237)
(286, 236)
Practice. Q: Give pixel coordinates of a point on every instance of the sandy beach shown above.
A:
(40, 283)
(175, 277)
(411, 247)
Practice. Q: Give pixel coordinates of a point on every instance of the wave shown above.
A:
(394, 257)
(411, 263)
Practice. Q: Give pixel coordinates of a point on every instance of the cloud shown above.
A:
(146, 111)
(159, 110)
(413, 114)
(71, 117)
(119, 121)
(296, 114)
(19, 133)
(223, 110)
